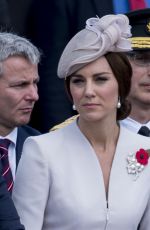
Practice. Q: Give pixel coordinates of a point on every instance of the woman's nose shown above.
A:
(89, 89)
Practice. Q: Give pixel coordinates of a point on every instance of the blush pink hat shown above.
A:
(100, 36)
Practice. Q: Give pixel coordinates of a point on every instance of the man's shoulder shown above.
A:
(28, 130)
(24, 132)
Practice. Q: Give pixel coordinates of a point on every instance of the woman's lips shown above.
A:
(90, 105)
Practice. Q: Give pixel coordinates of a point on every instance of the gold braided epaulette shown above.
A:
(65, 123)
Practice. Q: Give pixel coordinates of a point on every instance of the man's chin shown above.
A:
(23, 121)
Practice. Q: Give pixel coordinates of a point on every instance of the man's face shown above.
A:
(140, 88)
(18, 92)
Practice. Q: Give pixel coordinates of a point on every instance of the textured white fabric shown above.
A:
(101, 35)
(59, 184)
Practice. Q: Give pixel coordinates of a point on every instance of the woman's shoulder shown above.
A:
(56, 136)
(51, 145)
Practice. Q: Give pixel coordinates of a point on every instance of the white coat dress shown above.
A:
(59, 184)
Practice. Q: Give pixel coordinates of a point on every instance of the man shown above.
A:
(9, 219)
(139, 119)
(18, 93)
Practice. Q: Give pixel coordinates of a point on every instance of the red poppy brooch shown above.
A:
(137, 162)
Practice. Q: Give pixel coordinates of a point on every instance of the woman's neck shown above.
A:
(100, 133)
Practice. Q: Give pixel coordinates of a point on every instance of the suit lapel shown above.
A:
(21, 136)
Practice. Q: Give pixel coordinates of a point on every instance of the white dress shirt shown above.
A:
(12, 150)
(133, 125)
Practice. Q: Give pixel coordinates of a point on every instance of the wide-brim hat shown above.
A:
(140, 28)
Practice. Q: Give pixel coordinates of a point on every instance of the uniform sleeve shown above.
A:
(32, 184)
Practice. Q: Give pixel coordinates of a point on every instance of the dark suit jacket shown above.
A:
(52, 23)
(9, 219)
(23, 132)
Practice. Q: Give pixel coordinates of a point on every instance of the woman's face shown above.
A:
(94, 90)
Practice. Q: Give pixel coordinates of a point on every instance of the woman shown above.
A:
(89, 175)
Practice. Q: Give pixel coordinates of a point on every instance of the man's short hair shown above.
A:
(14, 45)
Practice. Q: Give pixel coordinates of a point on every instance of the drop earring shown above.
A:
(119, 103)
(73, 107)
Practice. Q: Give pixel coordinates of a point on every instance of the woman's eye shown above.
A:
(101, 79)
(77, 81)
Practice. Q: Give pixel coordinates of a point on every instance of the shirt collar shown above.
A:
(133, 125)
(12, 136)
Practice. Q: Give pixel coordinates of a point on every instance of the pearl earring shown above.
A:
(73, 107)
(119, 103)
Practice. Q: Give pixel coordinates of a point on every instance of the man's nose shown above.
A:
(148, 69)
(32, 93)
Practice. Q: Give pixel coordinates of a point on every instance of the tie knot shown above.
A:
(145, 131)
(4, 143)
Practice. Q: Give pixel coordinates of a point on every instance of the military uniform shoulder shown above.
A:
(65, 123)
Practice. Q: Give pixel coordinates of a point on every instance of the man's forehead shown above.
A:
(140, 52)
(144, 52)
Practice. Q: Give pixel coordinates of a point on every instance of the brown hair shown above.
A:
(122, 71)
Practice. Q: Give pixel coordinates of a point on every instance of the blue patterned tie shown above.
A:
(6, 170)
